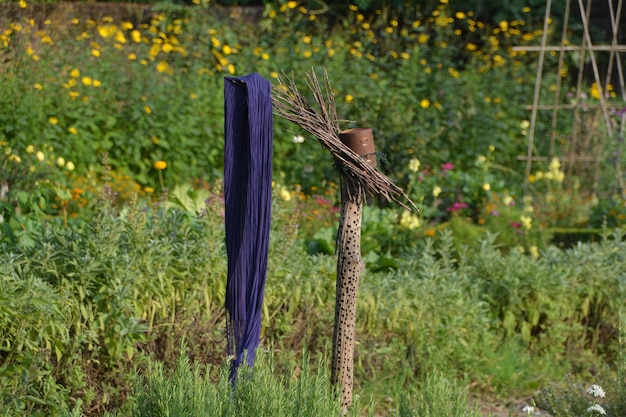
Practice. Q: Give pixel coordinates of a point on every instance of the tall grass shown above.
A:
(267, 390)
(193, 390)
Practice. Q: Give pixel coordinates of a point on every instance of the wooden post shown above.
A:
(349, 265)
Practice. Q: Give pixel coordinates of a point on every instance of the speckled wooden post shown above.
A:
(349, 265)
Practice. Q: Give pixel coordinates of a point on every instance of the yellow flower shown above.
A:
(23, 4)
(75, 73)
(106, 31)
(60, 161)
(162, 66)
(436, 191)
(97, 83)
(227, 50)
(555, 165)
(87, 81)
(40, 156)
(486, 186)
(349, 98)
(534, 252)
(135, 35)
(285, 194)
(38, 86)
(454, 73)
(53, 120)
(72, 130)
(423, 38)
(526, 222)
(132, 57)
(119, 37)
(147, 109)
(292, 4)
(159, 165)
(408, 220)
(70, 166)
(95, 52)
(414, 164)
(30, 149)
(148, 190)
(425, 103)
(559, 176)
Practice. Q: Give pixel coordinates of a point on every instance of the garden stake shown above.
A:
(248, 133)
(349, 265)
(354, 155)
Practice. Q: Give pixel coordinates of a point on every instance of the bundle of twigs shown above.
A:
(321, 121)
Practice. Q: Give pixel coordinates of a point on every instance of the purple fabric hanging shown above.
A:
(248, 129)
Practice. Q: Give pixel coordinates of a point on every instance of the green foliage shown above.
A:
(84, 299)
(191, 390)
(438, 396)
(99, 274)
(569, 398)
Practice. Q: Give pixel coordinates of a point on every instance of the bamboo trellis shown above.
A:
(587, 142)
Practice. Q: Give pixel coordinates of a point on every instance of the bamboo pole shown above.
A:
(349, 266)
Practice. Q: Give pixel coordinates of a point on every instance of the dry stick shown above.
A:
(359, 176)
(321, 121)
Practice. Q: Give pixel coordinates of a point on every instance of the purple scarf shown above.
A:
(248, 128)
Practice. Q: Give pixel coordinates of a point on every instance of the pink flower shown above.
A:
(515, 225)
(457, 206)
(322, 201)
(447, 167)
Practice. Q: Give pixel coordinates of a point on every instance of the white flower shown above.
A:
(528, 409)
(596, 408)
(596, 391)
(298, 139)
